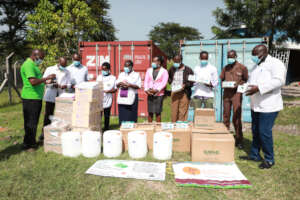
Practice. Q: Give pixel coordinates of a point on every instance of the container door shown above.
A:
(191, 54)
(139, 54)
(244, 52)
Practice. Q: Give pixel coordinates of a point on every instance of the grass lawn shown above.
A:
(50, 176)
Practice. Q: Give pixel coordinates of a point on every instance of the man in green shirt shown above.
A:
(32, 95)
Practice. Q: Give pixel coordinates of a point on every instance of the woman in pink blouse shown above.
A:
(155, 83)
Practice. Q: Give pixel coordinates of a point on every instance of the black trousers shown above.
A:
(106, 118)
(49, 111)
(31, 113)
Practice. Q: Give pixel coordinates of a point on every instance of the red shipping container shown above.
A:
(116, 53)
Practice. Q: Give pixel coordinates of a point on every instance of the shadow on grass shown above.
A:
(247, 146)
(9, 151)
(8, 104)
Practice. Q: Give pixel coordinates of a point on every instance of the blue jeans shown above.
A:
(262, 124)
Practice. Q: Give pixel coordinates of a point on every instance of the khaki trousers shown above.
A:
(180, 105)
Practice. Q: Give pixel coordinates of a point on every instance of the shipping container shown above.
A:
(217, 50)
(116, 53)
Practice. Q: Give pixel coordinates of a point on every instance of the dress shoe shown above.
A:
(265, 165)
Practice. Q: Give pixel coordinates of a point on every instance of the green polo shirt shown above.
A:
(30, 70)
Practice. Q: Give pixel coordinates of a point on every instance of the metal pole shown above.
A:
(15, 73)
(8, 76)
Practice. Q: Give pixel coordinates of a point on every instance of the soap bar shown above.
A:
(228, 84)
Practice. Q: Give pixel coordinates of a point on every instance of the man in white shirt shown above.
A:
(78, 72)
(266, 80)
(109, 86)
(54, 89)
(128, 83)
(204, 91)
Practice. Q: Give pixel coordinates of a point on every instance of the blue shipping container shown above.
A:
(217, 50)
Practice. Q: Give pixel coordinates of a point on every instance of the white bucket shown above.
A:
(162, 145)
(137, 144)
(71, 144)
(91, 144)
(112, 143)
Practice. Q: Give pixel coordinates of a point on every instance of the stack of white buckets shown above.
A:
(89, 144)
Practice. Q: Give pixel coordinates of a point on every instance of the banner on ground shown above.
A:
(129, 169)
(211, 175)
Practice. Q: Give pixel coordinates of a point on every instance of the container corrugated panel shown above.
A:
(217, 50)
(116, 53)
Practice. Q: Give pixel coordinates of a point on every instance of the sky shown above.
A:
(135, 18)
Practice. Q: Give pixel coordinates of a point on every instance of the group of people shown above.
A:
(265, 81)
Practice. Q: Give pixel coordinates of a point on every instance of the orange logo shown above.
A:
(191, 170)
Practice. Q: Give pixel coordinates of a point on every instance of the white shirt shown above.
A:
(269, 76)
(209, 71)
(62, 77)
(132, 78)
(109, 83)
(78, 74)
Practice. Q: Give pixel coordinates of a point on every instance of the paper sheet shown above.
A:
(129, 169)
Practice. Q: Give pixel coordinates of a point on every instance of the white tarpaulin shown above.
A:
(214, 175)
(129, 169)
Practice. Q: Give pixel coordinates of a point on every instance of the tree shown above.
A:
(257, 18)
(168, 36)
(13, 17)
(57, 27)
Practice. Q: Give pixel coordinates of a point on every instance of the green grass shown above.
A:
(42, 175)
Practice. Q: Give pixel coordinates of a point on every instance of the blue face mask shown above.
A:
(126, 70)
(231, 61)
(105, 73)
(176, 65)
(203, 62)
(154, 65)
(255, 59)
(38, 61)
(62, 68)
(76, 63)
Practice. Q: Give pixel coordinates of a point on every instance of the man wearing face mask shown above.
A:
(32, 95)
(109, 86)
(128, 83)
(266, 80)
(178, 78)
(155, 83)
(237, 73)
(78, 72)
(55, 88)
(204, 91)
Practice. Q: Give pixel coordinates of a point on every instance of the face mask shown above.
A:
(38, 61)
(62, 68)
(105, 73)
(231, 61)
(204, 62)
(176, 65)
(154, 65)
(76, 63)
(126, 70)
(255, 59)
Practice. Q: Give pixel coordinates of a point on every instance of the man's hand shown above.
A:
(50, 77)
(253, 89)
(63, 86)
(55, 85)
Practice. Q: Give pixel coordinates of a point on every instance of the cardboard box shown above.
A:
(204, 116)
(212, 147)
(82, 120)
(149, 128)
(212, 128)
(86, 108)
(83, 129)
(181, 138)
(64, 104)
(89, 95)
(52, 137)
(65, 116)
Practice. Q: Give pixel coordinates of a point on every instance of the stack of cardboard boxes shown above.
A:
(211, 141)
(87, 107)
(64, 108)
